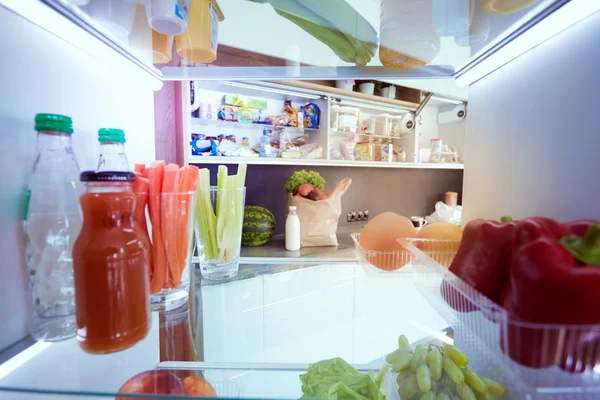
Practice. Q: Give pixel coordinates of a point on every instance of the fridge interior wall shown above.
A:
(42, 73)
(533, 141)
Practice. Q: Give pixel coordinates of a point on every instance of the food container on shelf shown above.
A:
(169, 17)
(389, 92)
(367, 88)
(348, 119)
(344, 84)
(399, 261)
(333, 122)
(383, 124)
(493, 340)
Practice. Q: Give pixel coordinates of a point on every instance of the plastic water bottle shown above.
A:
(265, 144)
(112, 150)
(52, 221)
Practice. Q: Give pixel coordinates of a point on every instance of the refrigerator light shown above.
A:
(446, 100)
(561, 19)
(270, 90)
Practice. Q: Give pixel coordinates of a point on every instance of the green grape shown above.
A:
(485, 396)
(434, 360)
(399, 359)
(403, 343)
(456, 355)
(428, 396)
(442, 396)
(407, 385)
(424, 378)
(465, 392)
(474, 380)
(418, 357)
(494, 387)
(453, 371)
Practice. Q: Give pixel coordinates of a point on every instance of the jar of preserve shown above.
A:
(110, 263)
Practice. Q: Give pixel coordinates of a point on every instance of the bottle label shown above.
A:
(26, 208)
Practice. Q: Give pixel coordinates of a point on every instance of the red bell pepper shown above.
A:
(554, 279)
(482, 261)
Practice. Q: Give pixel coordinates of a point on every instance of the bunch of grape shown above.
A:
(438, 374)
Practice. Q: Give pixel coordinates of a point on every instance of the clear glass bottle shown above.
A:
(51, 225)
(112, 150)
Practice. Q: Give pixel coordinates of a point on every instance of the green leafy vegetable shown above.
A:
(336, 379)
(301, 177)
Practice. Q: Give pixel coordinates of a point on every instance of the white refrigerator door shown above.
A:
(41, 73)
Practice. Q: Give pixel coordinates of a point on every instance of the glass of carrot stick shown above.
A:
(165, 210)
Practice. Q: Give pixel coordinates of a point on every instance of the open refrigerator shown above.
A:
(531, 149)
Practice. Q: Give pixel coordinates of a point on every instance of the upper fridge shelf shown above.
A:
(303, 39)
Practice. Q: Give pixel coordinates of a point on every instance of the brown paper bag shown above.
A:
(319, 219)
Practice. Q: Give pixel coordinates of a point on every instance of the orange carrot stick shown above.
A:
(168, 224)
(140, 189)
(188, 182)
(137, 167)
(155, 174)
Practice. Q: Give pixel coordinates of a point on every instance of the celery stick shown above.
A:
(205, 217)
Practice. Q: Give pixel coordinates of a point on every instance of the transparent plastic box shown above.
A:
(442, 251)
(535, 361)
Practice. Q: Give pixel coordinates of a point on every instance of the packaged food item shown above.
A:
(245, 142)
(220, 138)
(208, 111)
(436, 150)
(47, 220)
(227, 113)
(387, 152)
(348, 147)
(110, 262)
(375, 150)
(348, 119)
(289, 109)
(400, 153)
(231, 138)
(199, 42)
(311, 151)
(312, 116)
(362, 151)
(278, 120)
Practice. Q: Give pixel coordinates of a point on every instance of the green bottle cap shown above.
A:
(111, 135)
(53, 122)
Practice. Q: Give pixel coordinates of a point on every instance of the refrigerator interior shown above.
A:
(531, 146)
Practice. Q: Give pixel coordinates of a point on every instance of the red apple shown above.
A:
(152, 382)
(197, 386)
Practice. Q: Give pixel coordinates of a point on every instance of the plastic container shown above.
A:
(383, 125)
(116, 16)
(452, 17)
(344, 84)
(169, 17)
(112, 150)
(493, 340)
(162, 48)
(333, 122)
(366, 88)
(51, 222)
(199, 43)
(348, 119)
(480, 27)
(407, 37)
(397, 261)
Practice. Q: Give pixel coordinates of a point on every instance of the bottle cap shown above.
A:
(111, 135)
(107, 176)
(292, 208)
(53, 122)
